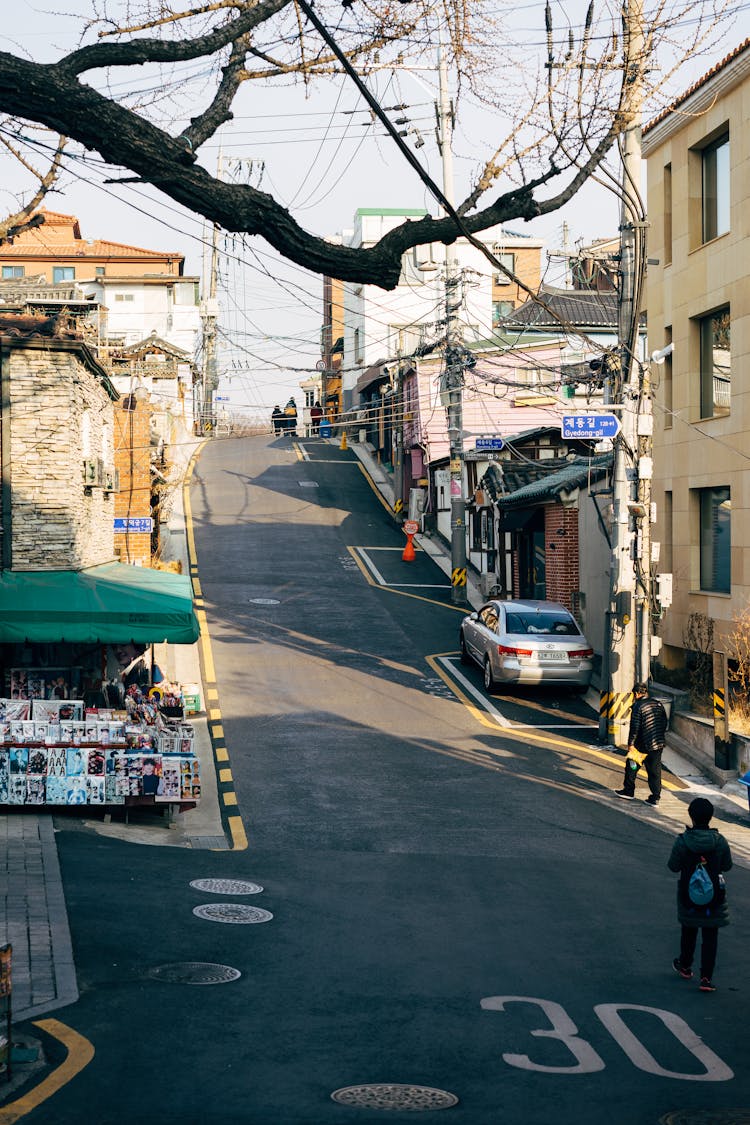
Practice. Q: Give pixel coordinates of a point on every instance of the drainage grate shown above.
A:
(394, 1096)
(264, 601)
(307, 483)
(232, 912)
(227, 886)
(706, 1117)
(195, 972)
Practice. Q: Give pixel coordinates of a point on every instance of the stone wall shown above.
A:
(54, 525)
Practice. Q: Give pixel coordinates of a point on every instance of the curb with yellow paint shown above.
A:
(224, 776)
(80, 1054)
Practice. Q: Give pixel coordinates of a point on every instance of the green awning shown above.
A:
(109, 604)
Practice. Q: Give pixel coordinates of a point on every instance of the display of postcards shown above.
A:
(169, 782)
(117, 732)
(19, 760)
(66, 732)
(95, 790)
(53, 733)
(45, 710)
(5, 735)
(38, 760)
(4, 782)
(90, 731)
(95, 767)
(75, 763)
(79, 733)
(35, 789)
(16, 730)
(190, 779)
(152, 767)
(29, 730)
(17, 789)
(15, 709)
(41, 730)
(75, 791)
(103, 734)
(168, 742)
(57, 762)
(111, 795)
(71, 709)
(35, 687)
(57, 790)
(19, 685)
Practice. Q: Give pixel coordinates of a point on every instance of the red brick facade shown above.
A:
(561, 550)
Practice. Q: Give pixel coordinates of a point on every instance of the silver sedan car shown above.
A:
(527, 642)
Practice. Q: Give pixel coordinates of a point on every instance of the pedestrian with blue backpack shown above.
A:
(700, 855)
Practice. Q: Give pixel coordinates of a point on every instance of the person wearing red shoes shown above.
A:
(700, 846)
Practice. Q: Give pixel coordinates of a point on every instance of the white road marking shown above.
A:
(371, 566)
(563, 1029)
(303, 451)
(450, 662)
(716, 1070)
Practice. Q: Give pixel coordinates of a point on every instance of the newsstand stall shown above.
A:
(81, 721)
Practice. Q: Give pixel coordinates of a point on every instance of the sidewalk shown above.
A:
(730, 801)
(33, 917)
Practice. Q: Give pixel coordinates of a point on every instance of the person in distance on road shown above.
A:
(700, 844)
(277, 419)
(648, 725)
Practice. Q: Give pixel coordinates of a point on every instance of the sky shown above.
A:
(322, 156)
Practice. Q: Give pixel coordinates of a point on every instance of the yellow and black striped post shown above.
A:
(614, 706)
(458, 576)
(722, 737)
(398, 506)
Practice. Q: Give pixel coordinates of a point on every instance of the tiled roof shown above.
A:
(550, 481)
(581, 308)
(80, 248)
(740, 49)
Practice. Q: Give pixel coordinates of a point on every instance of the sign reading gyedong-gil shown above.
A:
(489, 443)
(595, 426)
(135, 523)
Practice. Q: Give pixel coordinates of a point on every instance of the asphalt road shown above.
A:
(457, 902)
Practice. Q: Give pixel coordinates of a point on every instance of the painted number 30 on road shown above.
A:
(587, 1061)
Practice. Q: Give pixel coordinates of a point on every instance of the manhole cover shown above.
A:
(227, 886)
(195, 972)
(394, 1096)
(264, 601)
(706, 1117)
(232, 912)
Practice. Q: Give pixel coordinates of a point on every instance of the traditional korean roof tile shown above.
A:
(579, 308)
(549, 478)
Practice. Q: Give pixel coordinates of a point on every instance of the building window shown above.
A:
(715, 364)
(715, 539)
(509, 261)
(667, 214)
(12, 271)
(99, 271)
(501, 309)
(715, 188)
(668, 533)
(124, 297)
(63, 273)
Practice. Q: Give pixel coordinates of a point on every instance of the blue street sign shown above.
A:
(592, 426)
(222, 398)
(489, 443)
(135, 523)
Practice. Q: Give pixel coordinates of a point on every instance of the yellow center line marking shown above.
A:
(80, 1054)
(527, 733)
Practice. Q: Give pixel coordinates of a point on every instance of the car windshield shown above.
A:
(549, 622)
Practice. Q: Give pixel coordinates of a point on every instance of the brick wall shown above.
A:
(133, 463)
(54, 525)
(561, 550)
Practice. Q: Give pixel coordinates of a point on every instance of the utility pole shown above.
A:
(398, 441)
(454, 368)
(209, 317)
(629, 640)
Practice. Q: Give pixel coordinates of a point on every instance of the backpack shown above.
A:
(702, 883)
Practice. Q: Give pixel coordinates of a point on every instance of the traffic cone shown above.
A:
(409, 554)
(343, 440)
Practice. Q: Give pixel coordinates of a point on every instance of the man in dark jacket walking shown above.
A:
(648, 725)
(700, 844)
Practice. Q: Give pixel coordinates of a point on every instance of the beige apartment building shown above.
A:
(698, 161)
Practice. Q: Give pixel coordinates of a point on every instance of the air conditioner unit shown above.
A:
(111, 480)
(92, 472)
(488, 581)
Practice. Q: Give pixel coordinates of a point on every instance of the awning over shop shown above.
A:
(109, 604)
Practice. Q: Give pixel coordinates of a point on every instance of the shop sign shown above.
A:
(142, 524)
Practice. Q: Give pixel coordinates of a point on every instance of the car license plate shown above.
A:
(553, 658)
